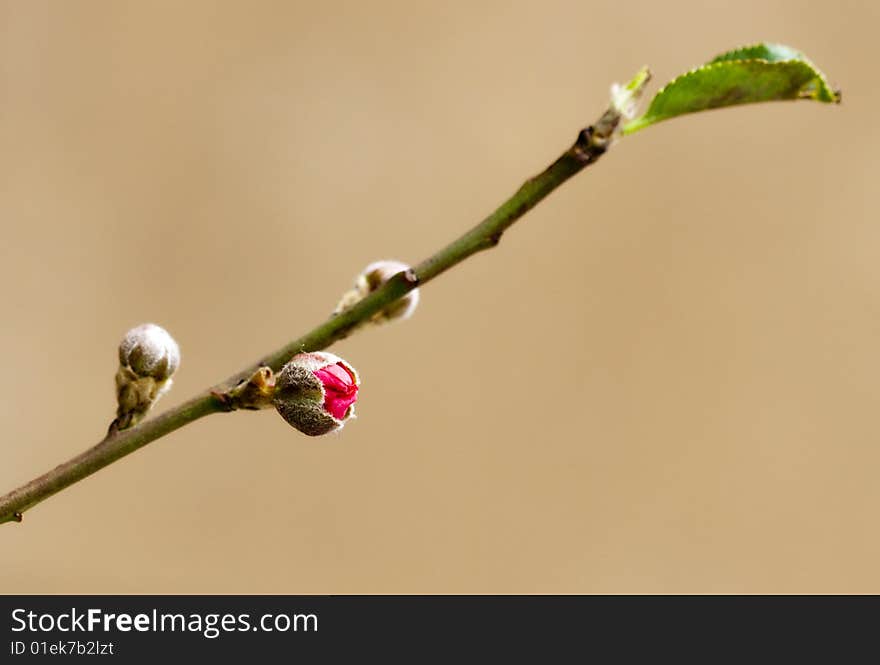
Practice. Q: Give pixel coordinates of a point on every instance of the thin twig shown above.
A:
(591, 143)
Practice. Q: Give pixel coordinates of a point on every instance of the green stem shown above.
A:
(112, 448)
(589, 146)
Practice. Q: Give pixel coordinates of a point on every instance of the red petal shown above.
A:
(340, 391)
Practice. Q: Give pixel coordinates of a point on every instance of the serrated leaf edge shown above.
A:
(637, 123)
(801, 55)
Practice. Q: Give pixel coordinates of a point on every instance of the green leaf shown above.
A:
(768, 52)
(757, 73)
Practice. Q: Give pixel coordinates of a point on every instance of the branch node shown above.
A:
(584, 138)
(410, 277)
(253, 393)
(590, 145)
(224, 399)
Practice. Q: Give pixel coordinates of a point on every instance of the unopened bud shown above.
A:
(316, 392)
(372, 277)
(254, 393)
(148, 356)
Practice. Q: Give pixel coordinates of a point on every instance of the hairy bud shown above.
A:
(316, 392)
(148, 357)
(372, 277)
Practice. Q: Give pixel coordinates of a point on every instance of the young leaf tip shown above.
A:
(749, 74)
(625, 98)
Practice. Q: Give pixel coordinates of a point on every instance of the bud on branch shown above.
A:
(148, 357)
(374, 276)
(316, 392)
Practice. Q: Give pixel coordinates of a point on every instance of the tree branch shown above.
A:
(591, 143)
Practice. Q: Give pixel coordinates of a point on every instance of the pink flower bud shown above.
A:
(316, 392)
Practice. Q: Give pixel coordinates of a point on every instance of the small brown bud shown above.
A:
(255, 393)
(372, 277)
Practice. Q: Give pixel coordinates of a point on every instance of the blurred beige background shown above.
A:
(663, 380)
